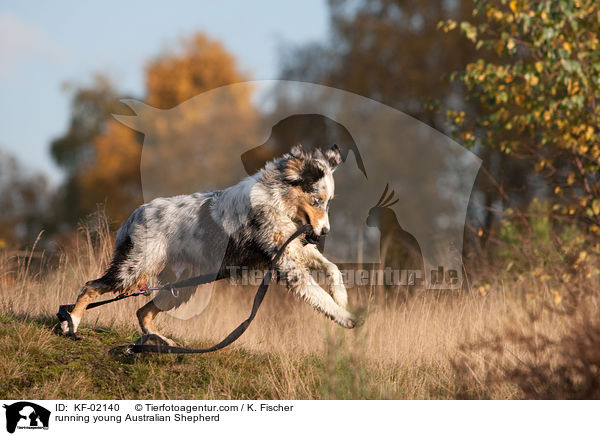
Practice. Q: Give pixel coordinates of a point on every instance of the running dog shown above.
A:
(250, 220)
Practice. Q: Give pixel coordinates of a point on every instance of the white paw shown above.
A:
(76, 322)
(64, 327)
(348, 321)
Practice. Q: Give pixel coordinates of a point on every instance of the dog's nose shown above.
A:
(324, 231)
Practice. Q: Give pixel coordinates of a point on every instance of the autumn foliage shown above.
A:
(538, 93)
(107, 170)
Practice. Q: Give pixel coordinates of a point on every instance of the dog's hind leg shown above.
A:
(89, 292)
(164, 301)
(146, 314)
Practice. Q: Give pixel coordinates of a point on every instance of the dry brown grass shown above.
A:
(458, 344)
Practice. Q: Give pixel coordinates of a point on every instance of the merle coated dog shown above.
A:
(250, 221)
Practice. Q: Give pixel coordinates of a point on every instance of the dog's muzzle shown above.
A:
(311, 237)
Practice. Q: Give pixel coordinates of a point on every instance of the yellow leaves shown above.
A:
(589, 133)
(201, 64)
(532, 79)
(596, 207)
(547, 115)
(469, 30)
(581, 258)
(539, 66)
(494, 14)
(484, 289)
(447, 26)
(566, 277)
(556, 296)
(457, 118)
(468, 136)
(583, 148)
(541, 164)
(499, 47)
(572, 86)
(548, 93)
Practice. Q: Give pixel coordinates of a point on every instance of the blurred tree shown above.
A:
(24, 201)
(530, 73)
(102, 157)
(393, 51)
(197, 145)
(200, 64)
(388, 50)
(91, 109)
(91, 106)
(113, 176)
(540, 98)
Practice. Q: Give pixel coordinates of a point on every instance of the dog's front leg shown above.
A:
(335, 280)
(299, 280)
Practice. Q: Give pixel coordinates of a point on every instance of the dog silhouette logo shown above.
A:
(212, 141)
(310, 131)
(26, 415)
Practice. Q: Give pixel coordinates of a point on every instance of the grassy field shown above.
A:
(508, 336)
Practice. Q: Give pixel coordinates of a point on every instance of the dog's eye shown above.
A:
(317, 201)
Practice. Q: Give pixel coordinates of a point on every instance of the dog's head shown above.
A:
(308, 175)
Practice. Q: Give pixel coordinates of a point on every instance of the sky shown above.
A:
(44, 45)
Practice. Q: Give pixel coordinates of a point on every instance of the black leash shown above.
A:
(161, 346)
(64, 311)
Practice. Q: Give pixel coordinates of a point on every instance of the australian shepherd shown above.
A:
(241, 226)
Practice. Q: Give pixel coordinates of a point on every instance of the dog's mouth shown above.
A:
(311, 237)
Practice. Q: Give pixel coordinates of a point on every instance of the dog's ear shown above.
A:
(333, 157)
(294, 165)
(297, 151)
